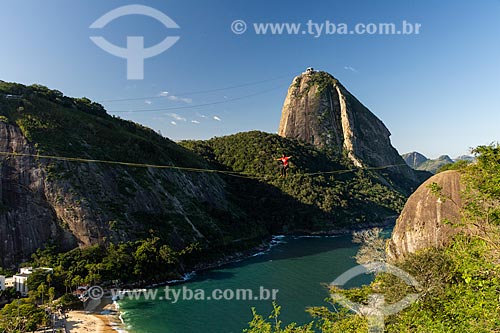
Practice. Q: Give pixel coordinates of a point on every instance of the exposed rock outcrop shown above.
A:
(80, 204)
(318, 110)
(73, 203)
(27, 220)
(422, 224)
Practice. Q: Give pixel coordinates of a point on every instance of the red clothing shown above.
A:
(285, 160)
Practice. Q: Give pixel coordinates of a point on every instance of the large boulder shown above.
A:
(424, 220)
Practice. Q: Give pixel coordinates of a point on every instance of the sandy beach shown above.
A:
(104, 319)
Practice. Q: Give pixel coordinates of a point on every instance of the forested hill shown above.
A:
(68, 203)
(79, 204)
(447, 241)
(341, 194)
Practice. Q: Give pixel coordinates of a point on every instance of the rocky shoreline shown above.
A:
(264, 247)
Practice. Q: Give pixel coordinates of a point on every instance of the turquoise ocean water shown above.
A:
(297, 267)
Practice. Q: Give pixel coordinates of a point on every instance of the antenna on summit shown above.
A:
(309, 70)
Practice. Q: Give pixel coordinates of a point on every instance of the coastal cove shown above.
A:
(240, 167)
(299, 267)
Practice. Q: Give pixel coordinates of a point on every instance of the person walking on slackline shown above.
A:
(284, 164)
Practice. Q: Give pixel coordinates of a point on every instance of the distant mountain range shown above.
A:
(418, 161)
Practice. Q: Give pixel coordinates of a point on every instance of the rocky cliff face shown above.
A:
(74, 204)
(70, 203)
(27, 219)
(77, 203)
(318, 110)
(422, 223)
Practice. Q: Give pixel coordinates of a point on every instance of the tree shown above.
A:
(77, 281)
(273, 324)
(118, 262)
(52, 294)
(482, 180)
(41, 290)
(49, 279)
(93, 277)
(372, 247)
(69, 302)
(146, 256)
(37, 278)
(22, 316)
(168, 255)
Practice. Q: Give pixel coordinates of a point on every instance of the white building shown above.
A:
(21, 283)
(9, 282)
(29, 270)
(26, 270)
(2, 282)
(309, 70)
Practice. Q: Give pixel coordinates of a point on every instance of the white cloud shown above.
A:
(349, 68)
(173, 123)
(175, 98)
(195, 121)
(148, 102)
(176, 116)
(200, 115)
(217, 118)
(180, 99)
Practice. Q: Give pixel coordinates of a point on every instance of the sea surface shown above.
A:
(298, 267)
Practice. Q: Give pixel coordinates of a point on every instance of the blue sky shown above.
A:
(436, 92)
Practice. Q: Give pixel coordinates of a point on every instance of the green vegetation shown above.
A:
(458, 165)
(77, 127)
(434, 165)
(62, 126)
(154, 225)
(124, 264)
(330, 190)
(22, 316)
(259, 324)
(69, 302)
(460, 283)
(149, 259)
(482, 193)
(134, 203)
(322, 80)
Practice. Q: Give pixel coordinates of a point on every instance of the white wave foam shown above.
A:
(315, 236)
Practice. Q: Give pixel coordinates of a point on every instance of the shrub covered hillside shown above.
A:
(66, 204)
(78, 127)
(331, 190)
(459, 283)
(80, 204)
